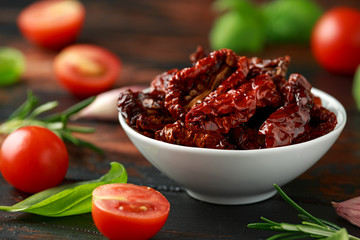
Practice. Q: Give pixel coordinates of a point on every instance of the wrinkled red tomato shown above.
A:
(33, 159)
(86, 70)
(335, 40)
(52, 24)
(127, 211)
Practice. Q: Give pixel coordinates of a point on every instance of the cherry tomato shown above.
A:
(335, 40)
(52, 24)
(127, 211)
(33, 159)
(86, 70)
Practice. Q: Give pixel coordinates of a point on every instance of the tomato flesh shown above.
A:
(33, 159)
(335, 40)
(52, 24)
(86, 70)
(127, 211)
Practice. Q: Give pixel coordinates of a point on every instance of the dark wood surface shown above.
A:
(151, 37)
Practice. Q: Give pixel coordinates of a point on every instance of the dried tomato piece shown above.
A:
(236, 106)
(197, 55)
(144, 111)
(246, 137)
(190, 85)
(322, 122)
(291, 120)
(275, 68)
(235, 80)
(161, 81)
(177, 133)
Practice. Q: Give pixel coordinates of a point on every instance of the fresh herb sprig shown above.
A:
(31, 113)
(310, 227)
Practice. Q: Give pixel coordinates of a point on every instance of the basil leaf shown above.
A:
(240, 28)
(290, 21)
(12, 65)
(68, 199)
(356, 87)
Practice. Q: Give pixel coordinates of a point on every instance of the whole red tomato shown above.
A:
(129, 212)
(86, 69)
(52, 24)
(335, 40)
(33, 159)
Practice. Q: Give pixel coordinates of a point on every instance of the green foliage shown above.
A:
(68, 199)
(356, 87)
(310, 227)
(12, 65)
(245, 27)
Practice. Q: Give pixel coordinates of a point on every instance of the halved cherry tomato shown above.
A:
(52, 24)
(33, 159)
(335, 40)
(127, 211)
(86, 69)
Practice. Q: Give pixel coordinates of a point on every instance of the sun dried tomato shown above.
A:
(275, 68)
(226, 101)
(191, 85)
(144, 111)
(322, 122)
(161, 81)
(290, 120)
(236, 106)
(177, 133)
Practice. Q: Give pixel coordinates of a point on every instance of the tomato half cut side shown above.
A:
(86, 70)
(52, 24)
(128, 211)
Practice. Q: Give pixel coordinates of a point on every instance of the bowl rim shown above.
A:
(340, 114)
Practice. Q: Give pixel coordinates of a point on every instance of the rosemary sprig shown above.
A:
(310, 227)
(30, 113)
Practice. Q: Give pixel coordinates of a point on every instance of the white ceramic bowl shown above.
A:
(237, 176)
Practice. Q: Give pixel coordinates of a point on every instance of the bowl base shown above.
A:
(231, 200)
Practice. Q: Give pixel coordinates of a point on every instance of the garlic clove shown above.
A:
(104, 107)
(349, 210)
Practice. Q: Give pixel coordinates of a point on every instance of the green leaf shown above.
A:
(289, 21)
(356, 87)
(68, 199)
(12, 65)
(238, 32)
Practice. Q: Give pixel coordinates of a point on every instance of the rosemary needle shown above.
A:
(310, 227)
(30, 113)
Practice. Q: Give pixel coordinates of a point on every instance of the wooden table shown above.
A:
(151, 37)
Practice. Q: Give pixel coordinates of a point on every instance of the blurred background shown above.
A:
(153, 36)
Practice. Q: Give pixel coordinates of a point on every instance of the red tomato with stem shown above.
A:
(127, 211)
(52, 24)
(335, 40)
(33, 159)
(86, 70)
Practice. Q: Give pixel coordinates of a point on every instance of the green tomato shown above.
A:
(239, 32)
(12, 65)
(289, 21)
